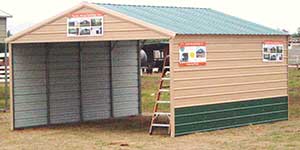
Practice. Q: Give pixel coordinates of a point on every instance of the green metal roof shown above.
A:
(187, 20)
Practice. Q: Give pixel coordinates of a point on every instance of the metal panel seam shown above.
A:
(139, 77)
(111, 78)
(47, 82)
(80, 80)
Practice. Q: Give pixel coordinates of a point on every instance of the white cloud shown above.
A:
(275, 14)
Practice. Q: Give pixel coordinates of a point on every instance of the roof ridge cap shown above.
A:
(158, 6)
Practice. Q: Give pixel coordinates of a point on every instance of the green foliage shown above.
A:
(295, 35)
(294, 83)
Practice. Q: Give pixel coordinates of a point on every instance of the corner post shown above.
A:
(5, 73)
(172, 108)
(11, 87)
(287, 70)
(138, 45)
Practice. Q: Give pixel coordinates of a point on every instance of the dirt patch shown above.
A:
(119, 143)
(132, 133)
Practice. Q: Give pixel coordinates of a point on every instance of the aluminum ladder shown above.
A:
(156, 113)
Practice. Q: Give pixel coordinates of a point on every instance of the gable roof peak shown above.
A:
(153, 6)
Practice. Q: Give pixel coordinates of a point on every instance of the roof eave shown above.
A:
(245, 34)
(6, 16)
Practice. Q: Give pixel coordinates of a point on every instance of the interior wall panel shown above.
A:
(30, 100)
(125, 79)
(64, 88)
(58, 83)
(95, 80)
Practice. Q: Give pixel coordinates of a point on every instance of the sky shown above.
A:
(277, 14)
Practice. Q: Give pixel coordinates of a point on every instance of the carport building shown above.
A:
(83, 65)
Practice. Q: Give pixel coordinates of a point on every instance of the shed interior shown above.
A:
(76, 81)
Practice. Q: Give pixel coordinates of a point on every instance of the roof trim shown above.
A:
(92, 6)
(6, 15)
(39, 25)
(130, 19)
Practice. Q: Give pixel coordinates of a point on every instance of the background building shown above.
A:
(3, 28)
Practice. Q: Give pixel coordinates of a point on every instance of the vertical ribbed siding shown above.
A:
(228, 115)
(125, 78)
(72, 75)
(64, 82)
(30, 101)
(95, 80)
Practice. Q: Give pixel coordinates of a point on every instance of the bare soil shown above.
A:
(132, 133)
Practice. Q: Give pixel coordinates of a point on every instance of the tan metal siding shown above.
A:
(125, 79)
(30, 100)
(234, 71)
(95, 80)
(114, 29)
(2, 29)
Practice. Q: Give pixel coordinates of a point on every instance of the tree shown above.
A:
(297, 34)
(9, 33)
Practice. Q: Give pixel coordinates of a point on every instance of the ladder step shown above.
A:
(164, 90)
(163, 102)
(165, 79)
(165, 87)
(160, 125)
(162, 113)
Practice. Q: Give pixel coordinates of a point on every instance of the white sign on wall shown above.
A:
(272, 51)
(85, 24)
(192, 54)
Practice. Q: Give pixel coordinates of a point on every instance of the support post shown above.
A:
(11, 86)
(138, 46)
(6, 81)
(172, 108)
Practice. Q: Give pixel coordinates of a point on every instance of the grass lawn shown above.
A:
(131, 133)
(149, 91)
(2, 95)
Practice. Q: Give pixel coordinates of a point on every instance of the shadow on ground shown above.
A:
(133, 124)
